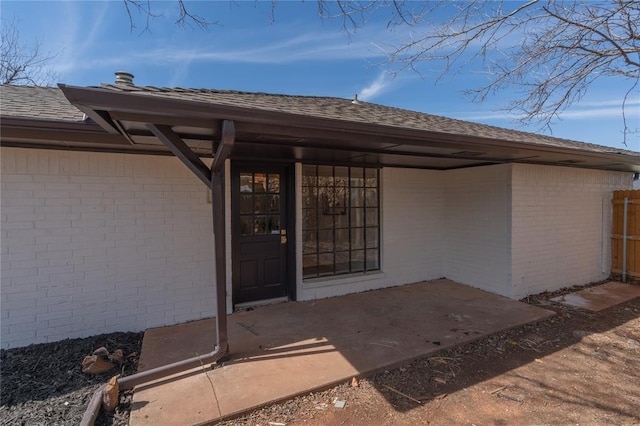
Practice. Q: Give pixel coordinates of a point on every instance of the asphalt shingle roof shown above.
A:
(45, 103)
(49, 103)
(362, 112)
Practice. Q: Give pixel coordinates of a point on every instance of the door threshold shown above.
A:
(264, 302)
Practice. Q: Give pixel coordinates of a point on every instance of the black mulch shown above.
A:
(44, 384)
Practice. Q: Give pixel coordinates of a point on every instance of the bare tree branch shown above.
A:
(548, 52)
(21, 63)
(626, 130)
(146, 10)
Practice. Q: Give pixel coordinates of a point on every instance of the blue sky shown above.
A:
(296, 52)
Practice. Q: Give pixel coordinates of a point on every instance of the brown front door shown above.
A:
(259, 210)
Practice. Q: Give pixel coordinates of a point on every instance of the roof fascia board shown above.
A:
(461, 142)
(109, 149)
(131, 102)
(29, 129)
(29, 122)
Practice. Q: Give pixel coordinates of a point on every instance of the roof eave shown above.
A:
(99, 103)
(16, 129)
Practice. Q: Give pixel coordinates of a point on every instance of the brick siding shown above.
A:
(561, 226)
(94, 243)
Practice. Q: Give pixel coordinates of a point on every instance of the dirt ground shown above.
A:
(577, 367)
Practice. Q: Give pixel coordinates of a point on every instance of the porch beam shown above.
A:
(180, 149)
(228, 137)
(225, 146)
(217, 209)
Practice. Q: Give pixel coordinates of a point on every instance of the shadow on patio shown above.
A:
(284, 350)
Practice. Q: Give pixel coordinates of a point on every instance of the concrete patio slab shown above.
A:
(281, 351)
(601, 296)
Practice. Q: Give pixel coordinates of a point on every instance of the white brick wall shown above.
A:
(561, 226)
(477, 227)
(412, 233)
(93, 243)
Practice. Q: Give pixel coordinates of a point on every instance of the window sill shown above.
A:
(342, 279)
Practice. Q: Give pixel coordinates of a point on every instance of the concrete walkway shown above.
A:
(600, 297)
(281, 351)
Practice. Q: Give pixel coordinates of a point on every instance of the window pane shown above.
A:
(274, 183)
(246, 182)
(372, 237)
(357, 197)
(309, 219)
(327, 203)
(325, 176)
(309, 177)
(342, 262)
(309, 197)
(261, 205)
(325, 241)
(357, 217)
(273, 226)
(259, 225)
(372, 217)
(372, 260)
(372, 197)
(274, 203)
(341, 176)
(357, 177)
(357, 261)
(325, 264)
(342, 239)
(309, 242)
(246, 204)
(340, 201)
(357, 238)
(246, 225)
(342, 220)
(371, 177)
(310, 266)
(325, 220)
(260, 182)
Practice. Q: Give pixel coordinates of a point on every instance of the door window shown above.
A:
(259, 203)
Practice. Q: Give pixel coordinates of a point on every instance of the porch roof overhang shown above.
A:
(286, 135)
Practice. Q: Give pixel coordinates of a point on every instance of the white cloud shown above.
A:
(376, 87)
(611, 102)
(579, 113)
(76, 39)
(305, 47)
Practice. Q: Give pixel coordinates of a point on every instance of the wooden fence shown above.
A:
(633, 233)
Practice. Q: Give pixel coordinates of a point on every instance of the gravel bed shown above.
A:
(43, 384)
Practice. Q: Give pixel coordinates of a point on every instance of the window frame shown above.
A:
(332, 198)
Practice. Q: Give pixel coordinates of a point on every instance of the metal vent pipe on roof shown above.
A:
(124, 77)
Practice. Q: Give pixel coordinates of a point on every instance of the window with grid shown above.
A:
(259, 204)
(341, 214)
